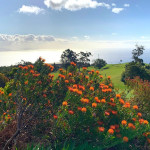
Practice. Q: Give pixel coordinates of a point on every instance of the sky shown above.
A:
(47, 27)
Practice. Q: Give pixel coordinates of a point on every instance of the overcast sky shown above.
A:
(74, 24)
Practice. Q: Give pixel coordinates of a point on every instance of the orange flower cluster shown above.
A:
(131, 125)
(75, 90)
(85, 100)
(61, 76)
(105, 88)
(65, 103)
(73, 64)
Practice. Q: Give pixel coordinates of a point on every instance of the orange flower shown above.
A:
(0, 101)
(114, 112)
(26, 82)
(139, 114)
(125, 139)
(94, 104)
(107, 113)
(127, 105)
(84, 68)
(70, 74)
(118, 96)
(131, 125)
(80, 108)
(55, 117)
(111, 131)
(146, 122)
(101, 129)
(141, 121)
(112, 100)
(112, 127)
(135, 107)
(124, 122)
(66, 81)
(121, 101)
(71, 112)
(10, 94)
(87, 77)
(65, 103)
(134, 119)
(109, 77)
(97, 100)
(79, 92)
(97, 72)
(103, 101)
(84, 100)
(101, 76)
(83, 109)
(91, 88)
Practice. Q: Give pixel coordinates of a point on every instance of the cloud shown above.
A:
(87, 37)
(113, 4)
(74, 5)
(26, 38)
(117, 10)
(30, 10)
(126, 5)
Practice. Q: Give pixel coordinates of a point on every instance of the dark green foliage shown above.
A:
(99, 63)
(67, 57)
(3, 80)
(84, 60)
(134, 69)
(138, 51)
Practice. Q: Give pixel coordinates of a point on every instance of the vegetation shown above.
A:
(136, 67)
(141, 94)
(3, 80)
(99, 63)
(75, 108)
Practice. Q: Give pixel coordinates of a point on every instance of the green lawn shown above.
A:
(115, 71)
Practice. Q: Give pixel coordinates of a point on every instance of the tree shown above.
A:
(138, 51)
(67, 57)
(99, 63)
(84, 59)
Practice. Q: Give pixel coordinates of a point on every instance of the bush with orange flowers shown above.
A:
(141, 96)
(75, 106)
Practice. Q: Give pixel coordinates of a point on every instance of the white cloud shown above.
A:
(30, 10)
(87, 37)
(26, 38)
(74, 5)
(113, 4)
(126, 5)
(117, 10)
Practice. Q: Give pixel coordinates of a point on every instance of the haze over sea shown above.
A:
(111, 56)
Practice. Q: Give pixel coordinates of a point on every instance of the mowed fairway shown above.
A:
(115, 71)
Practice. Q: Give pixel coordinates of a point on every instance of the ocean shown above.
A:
(8, 58)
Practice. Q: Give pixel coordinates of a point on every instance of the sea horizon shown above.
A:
(8, 58)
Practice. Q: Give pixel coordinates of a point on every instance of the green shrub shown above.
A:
(3, 80)
(77, 106)
(99, 63)
(133, 69)
(141, 93)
